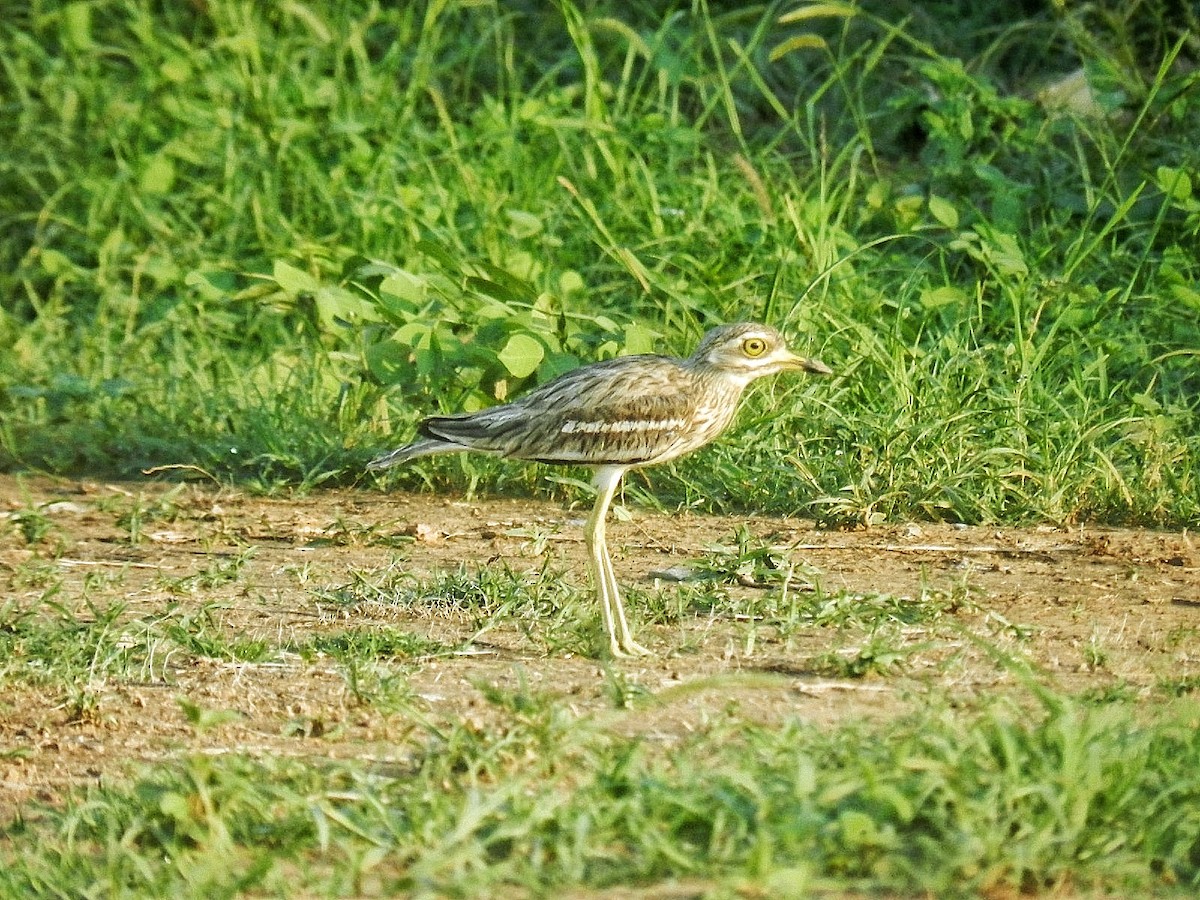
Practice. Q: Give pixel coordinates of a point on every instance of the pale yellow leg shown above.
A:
(620, 638)
(624, 635)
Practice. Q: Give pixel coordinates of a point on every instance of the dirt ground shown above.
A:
(1092, 608)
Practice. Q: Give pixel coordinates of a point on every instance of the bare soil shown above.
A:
(1092, 608)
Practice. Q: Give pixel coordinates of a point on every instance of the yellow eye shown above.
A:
(753, 347)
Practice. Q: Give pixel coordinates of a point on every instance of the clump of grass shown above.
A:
(549, 610)
(883, 652)
(200, 633)
(223, 569)
(55, 642)
(1000, 800)
(370, 643)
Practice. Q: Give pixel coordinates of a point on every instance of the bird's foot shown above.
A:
(628, 648)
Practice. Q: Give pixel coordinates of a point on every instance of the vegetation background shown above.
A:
(264, 239)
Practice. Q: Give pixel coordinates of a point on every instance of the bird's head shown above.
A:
(748, 351)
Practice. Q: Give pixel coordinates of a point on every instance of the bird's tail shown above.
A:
(422, 447)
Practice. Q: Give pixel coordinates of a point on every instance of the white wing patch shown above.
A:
(622, 426)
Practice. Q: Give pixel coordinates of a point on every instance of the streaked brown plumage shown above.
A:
(613, 416)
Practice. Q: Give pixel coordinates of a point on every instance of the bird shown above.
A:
(613, 416)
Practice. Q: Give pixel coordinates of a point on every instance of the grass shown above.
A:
(938, 803)
(260, 241)
(310, 228)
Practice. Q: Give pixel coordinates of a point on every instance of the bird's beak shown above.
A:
(808, 365)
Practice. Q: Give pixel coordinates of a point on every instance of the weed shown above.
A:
(1117, 692)
(224, 568)
(371, 643)
(1180, 686)
(1095, 655)
(202, 719)
(77, 648)
(137, 511)
(883, 653)
(342, 533)
(33, 525)
(622, 690)
(198, 632)
(751, 562)
(541, 602)
(373, 684)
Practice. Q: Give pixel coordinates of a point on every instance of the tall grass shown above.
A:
(265, 239)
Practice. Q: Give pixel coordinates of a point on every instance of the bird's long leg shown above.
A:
(624, 635)
(606, 480)
(620, 639)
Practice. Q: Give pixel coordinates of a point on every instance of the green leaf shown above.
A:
(414, 335)
(493, 290)
(389, 362)
(1175, 183)
(212, 285)
(77, 25)
(293, 281)
(176, 69)
(404, 286)
(504, 285)
(175, 806)
(569, 282)
(439, 254)
(556, 364)
(159, 175)
(1005, 253)
(55, 262)
(946, 295)
(943, 210)
(337, 305)
(521, 355)
(876, 194)
(522, 224)
(994, 248)
(525, 266)
(1186, 296)
(640, 339)
(202, 718)
(428, 361)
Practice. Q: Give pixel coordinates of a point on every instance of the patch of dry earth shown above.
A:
(1132, 594)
